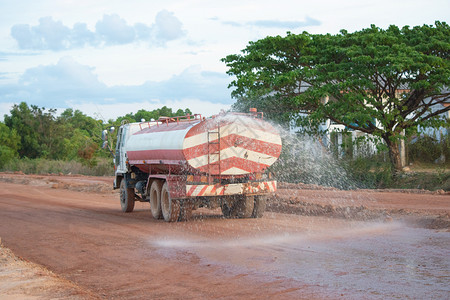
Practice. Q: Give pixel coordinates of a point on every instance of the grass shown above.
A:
(96, 167)
(428, 176)
(361, 172)
(423, 180)
(375, 173)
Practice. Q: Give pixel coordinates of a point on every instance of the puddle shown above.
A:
(374, 260)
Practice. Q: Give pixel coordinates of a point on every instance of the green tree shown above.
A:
(9, 144)
(179, 112)
(147, 115)
(40, 133)
(138, 116)
(34, 132)
(380, 82)
(143, 114)
(21, 120)
(165, 111)
(76, 119)
(81, 135)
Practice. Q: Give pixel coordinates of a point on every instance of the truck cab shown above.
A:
(120, 155)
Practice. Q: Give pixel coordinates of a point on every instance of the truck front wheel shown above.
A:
(126, 197)
(170, 207)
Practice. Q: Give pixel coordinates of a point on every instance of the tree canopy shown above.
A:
(147, 115)
(377, 81)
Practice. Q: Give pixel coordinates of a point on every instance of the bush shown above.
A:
(429, 149)
(6, 155)
(369, 172)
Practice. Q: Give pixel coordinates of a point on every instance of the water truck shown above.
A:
(179, 164)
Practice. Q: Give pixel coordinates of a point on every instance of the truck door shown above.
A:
(120, 152)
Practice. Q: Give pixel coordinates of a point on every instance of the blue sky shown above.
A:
(109, 57)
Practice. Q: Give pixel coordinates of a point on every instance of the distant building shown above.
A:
(342, 140)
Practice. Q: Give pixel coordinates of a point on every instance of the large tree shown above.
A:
(39, 137)
(9, 144)
(377, 81)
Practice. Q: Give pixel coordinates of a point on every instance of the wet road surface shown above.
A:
(85, 238)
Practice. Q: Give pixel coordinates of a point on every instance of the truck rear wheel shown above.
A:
(170, 207)
(126, 197)
(155, 199)
(239, 206)
(260, 206)
(244, 206)
(227, 205)
(186, 210)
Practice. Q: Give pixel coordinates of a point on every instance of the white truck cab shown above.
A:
(120, 157)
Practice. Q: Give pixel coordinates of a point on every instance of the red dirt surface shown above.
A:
(73, 226)
(425, 208)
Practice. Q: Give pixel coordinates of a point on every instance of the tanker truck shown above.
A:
(179, 164)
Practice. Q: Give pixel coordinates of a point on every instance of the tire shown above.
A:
(259, 207)
(126, 197)
(239, 206)
(186, 210)
(245, 206)
(227, 206)
(170, 208)
(155, 199)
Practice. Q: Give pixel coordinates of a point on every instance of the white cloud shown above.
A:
(114, 30)
(167, 26)
(67, 73)
(49, 34)
(193, 82)
(5, 108)
(52, 85)
(70, 84)
(110, 30)
(81, 36)
(275, 23)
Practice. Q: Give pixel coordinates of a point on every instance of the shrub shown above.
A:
(428, 149)
(369, 172)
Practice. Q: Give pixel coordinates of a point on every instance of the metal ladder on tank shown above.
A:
(214, 154)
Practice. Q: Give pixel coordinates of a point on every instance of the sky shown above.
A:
(108, 58)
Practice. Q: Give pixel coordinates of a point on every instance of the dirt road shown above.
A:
(62, 224)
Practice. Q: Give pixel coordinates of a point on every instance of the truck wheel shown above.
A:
(126, 197)
(244, 206)
(155, 199)
(170, 208)
(186, 210)
(260, 206)
(228, 207)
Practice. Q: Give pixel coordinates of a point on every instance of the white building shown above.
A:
(347, 142)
